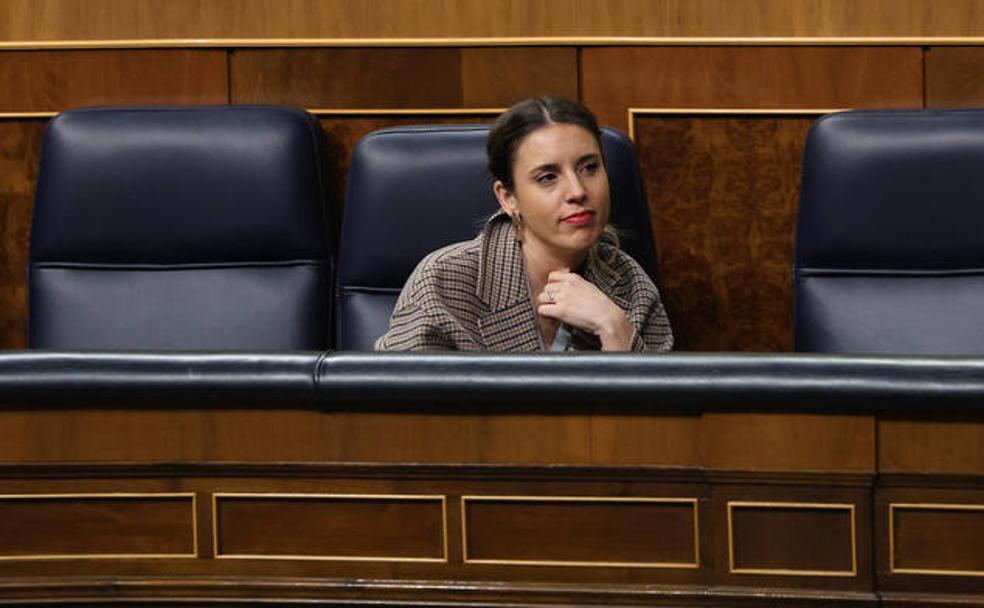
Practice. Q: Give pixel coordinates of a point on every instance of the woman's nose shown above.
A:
(575, 189)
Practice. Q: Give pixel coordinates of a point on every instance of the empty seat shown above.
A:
(889, 247)
(412, 190)
(184, 228)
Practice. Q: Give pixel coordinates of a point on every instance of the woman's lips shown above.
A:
(578, 219)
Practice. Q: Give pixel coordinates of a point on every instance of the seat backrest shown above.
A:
(181, 228)
(890, 234)
(412, 190)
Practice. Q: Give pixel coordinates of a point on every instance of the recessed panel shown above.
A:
(937, 539)
(97, 526)
(792, 539)
(641, 532)
(332, 527)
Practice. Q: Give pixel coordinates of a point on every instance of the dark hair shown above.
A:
(522, 119)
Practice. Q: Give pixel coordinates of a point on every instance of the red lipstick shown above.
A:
(579, 219)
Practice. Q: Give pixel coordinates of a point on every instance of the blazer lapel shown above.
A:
(509, 324)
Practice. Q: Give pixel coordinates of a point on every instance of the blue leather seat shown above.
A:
(182, 228)
(412, 190)
(890, 234)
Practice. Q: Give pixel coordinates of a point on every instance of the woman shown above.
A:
(546, 272)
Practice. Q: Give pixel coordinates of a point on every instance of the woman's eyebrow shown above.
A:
(546, 167)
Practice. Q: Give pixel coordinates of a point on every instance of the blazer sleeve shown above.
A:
(416, 323)
(655, 334)
(413, 328)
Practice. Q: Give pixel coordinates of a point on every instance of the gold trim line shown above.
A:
(472, 41)
(491, 112)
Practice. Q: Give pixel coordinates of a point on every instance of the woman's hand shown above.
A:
(570, 299)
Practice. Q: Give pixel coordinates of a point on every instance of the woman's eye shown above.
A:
(590, 167)
(546, 178)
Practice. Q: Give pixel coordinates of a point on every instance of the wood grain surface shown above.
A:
(719, 440)
(20, 148)
(633, 532)
(941, 538)
(943, 444)
(617, 78)
(86, 526)
(326, 527)
(184, 19)
(785, 538)
(955, 77)
(766, 441)
(778, 538)
(722, 195)
(53, 81)
(402, 77)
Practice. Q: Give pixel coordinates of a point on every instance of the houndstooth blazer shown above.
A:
(475, 296)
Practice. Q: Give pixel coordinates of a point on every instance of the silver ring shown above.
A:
(551, 295)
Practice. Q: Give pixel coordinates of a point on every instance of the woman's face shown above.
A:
(560, 190)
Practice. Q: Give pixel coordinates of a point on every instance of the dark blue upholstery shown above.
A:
(890, 245)
(180, 228)
(412, 190)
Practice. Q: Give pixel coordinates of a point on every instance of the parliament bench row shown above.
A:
(212, 228)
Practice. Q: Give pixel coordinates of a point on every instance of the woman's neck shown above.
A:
(540, 263)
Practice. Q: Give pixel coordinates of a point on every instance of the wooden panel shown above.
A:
(499, 77)
(790, 538)
(291, 435)
(726, 440)
(940, 445)
(54, 526)
(348, 78)
(722, 195)
(617, 78)
(52, 81)
(788, 442)
(504, 438)
(82, 19)
(586, 531)
(349, 527)
(402, 78)
(638, 439)
(937, 538)
(955, 77)
(20, 147)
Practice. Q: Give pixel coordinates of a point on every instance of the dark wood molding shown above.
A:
(462, 472)
(258, 590)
